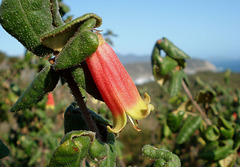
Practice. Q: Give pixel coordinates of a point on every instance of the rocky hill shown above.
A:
(139, 68)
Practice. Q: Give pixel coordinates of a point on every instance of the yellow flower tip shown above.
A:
(114, 130)
(101, 40)
(141, 109)
(119, 122)
(146, 98)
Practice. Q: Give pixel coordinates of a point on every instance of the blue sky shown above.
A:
(206, 29)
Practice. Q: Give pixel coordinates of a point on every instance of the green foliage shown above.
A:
(4, 151)
(175, 82)
(189, 127)
(169, 68)
(212, 133)
(74, 120)
(58, 37)
(73, 148)
(24, 22)
(170, 49)
(162, 157)
(82, 46)
(215, 128)
(174, 120)
(104, 153)
(216, 150)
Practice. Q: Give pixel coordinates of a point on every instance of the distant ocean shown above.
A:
(233, 65)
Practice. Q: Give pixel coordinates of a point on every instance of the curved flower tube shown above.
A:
(117, 88)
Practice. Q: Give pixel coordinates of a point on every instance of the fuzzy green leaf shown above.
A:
(166, 157)
(76, 50)
(171, 50)
(44, 82)
(110, 160)
(4, 151)
(98, 150)
(206, 96)
(226, 133)
(213, 151)
(236, 141)
(189, 127)
(57, 19)
(58, 38)
(174, 120)
(73, 120)
(73, 148)
(167, 65)
(27, 20)
(175, 82)
(212, 133)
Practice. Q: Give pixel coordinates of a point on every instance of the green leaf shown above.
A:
(216, 151)
(226, 76)
(4, 151)
(35, 157)
(104, 152)
(171, 50)
(98, 150)
(166, 130)
(156, 63)
(212, 133)
(175, 82)
(58, 38)
(83, 45)
(226, 128)
(44, 82)
(73, 120)
(110, 160)
(206, 96)
(57, 19)
(189, 127)
(210, 146)
(63, 9)
(164, 157)
(174, 120)
(236, 141)
(161, 79)
(73, 148)
(27, 20)
(167, 65)
(224, 123)
(226, 133)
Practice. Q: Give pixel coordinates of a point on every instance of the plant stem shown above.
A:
(80, 101)
(204, 116)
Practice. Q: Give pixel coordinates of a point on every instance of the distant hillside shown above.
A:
(131, 58)
(196, 65)
(139, 67)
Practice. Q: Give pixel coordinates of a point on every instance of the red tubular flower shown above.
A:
(50, 101)
(117, 88)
